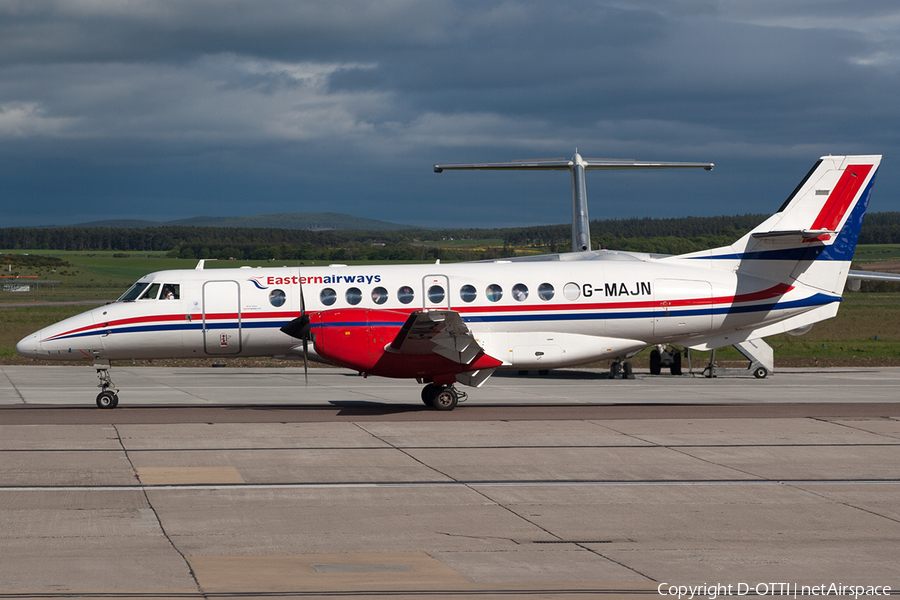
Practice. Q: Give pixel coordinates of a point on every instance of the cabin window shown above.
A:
(150, 293)
(327, 296)
(277, 298)
(520, 292)
(406, 294)
(170, 291)
(545, 291)
(133, 292)
(494, 292)
(353, 296)
(379, 295)
(572, 291)
(436, 294)
(468, 293)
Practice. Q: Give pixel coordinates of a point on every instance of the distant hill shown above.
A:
(303, 221)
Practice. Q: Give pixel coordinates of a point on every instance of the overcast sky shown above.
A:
(163, 110)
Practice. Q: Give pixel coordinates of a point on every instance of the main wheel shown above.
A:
(107, 399)
(428, 393)
(676, 363)
(614, 369)
(544, 372)
(446, 399)
(627, 372)
(760, 372)
(655, 362)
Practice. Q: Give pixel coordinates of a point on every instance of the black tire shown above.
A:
(676, 363)
(107, 399)
(445, 399)
(655, 366)
(523, 373)
(544, 372)
(428, 393)
(760, 372)
(614, 369)
(627, 372)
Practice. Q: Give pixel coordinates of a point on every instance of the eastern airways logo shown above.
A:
(256, 281)
(263, 283)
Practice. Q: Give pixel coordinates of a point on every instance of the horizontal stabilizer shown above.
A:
(802, 234)
(564, 164)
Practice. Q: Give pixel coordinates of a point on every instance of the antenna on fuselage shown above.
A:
(581, 231)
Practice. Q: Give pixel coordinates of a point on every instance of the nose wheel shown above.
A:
(109, 396)
(107, 400)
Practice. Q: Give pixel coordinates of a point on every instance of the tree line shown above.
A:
(664, 236)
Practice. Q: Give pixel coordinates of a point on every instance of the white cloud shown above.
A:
(27, 119)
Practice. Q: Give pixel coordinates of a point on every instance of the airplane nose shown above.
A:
(28, 346)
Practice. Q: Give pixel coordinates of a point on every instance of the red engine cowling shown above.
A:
(356, 338)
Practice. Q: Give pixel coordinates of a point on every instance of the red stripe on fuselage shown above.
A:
(176, 317)
(772, 292)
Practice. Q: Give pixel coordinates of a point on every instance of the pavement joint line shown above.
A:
(852, 428)
(469, 487)
(849, 504)
(363, 593)
(446, 484)
(154, 384)
(648, 445)
(13, 385)
(156, 516)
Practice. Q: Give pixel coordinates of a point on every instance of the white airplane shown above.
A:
(444, 324)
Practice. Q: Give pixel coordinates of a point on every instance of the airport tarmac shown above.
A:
(244, 483)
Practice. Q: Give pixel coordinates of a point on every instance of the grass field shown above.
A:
(865, 332)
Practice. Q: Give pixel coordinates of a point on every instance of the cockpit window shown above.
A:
(171, 291)
(150, 293)
(133, 292)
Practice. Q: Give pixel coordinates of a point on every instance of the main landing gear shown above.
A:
(621, 370)
(109, 396)
(664, 357)
(442, 397)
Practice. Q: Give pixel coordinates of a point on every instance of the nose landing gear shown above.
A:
(109, 396)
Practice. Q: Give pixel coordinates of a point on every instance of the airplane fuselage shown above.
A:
(540, 314)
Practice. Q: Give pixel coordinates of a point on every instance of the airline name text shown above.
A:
(369, 279)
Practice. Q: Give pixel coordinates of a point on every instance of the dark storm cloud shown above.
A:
(171, 109)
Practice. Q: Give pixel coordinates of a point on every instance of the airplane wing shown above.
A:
(855, 278)
(439, 332)
(873, 276)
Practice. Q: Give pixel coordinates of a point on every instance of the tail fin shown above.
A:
(812, 237)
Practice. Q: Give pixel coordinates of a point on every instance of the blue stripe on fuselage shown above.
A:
(810, 302)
